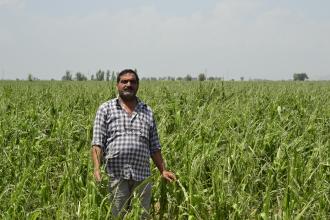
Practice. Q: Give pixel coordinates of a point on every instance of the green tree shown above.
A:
(188, 77)
(300, 76)
(67, 76)
(201, 77)
(30, 77)
(80, 77)
(108, 75)
(99, 75)
(113, 76)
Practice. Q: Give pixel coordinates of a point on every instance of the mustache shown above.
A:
(128, 90)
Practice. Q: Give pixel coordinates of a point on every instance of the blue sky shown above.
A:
(262, 39)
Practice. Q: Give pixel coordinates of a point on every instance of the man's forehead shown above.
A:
(127, 76)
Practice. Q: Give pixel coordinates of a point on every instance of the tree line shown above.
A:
(108, 75)
(100, 75)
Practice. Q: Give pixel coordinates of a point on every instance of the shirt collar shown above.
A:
(139, 104)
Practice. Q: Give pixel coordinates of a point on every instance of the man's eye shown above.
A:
(126, 81)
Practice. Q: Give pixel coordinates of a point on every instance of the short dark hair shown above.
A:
(125, 71)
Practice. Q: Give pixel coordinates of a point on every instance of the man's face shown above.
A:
(127, 87)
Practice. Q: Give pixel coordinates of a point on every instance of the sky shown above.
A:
(254, 39)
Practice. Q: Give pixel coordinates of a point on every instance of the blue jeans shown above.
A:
(121, 192)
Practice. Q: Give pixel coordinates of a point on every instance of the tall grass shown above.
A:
(241, 150)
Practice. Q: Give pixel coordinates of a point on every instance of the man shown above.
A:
(126, 133)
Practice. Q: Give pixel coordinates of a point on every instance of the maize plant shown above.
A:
(240, 150)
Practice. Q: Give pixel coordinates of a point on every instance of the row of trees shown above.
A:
(107, 76)
(100, 75)
(188, 77)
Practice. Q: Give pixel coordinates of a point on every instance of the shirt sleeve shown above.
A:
(99, 129)
(154, 138)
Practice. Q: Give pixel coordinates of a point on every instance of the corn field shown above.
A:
(240, 150)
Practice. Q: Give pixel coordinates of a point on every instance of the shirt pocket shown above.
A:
(115, 126)
(142, 128)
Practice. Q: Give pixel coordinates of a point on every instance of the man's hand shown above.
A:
(168, 175)
(97, 175)
(158, 160)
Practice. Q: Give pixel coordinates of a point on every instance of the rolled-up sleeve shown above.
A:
(99, 129)
(154, 144)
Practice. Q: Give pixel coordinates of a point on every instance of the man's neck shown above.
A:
(128, 105)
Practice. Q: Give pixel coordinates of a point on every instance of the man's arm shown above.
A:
(159, 162)
(99, 140)
(96, 157)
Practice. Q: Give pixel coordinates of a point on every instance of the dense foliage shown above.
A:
(240, 149)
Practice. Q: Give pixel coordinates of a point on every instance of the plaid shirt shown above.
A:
(126, 141)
